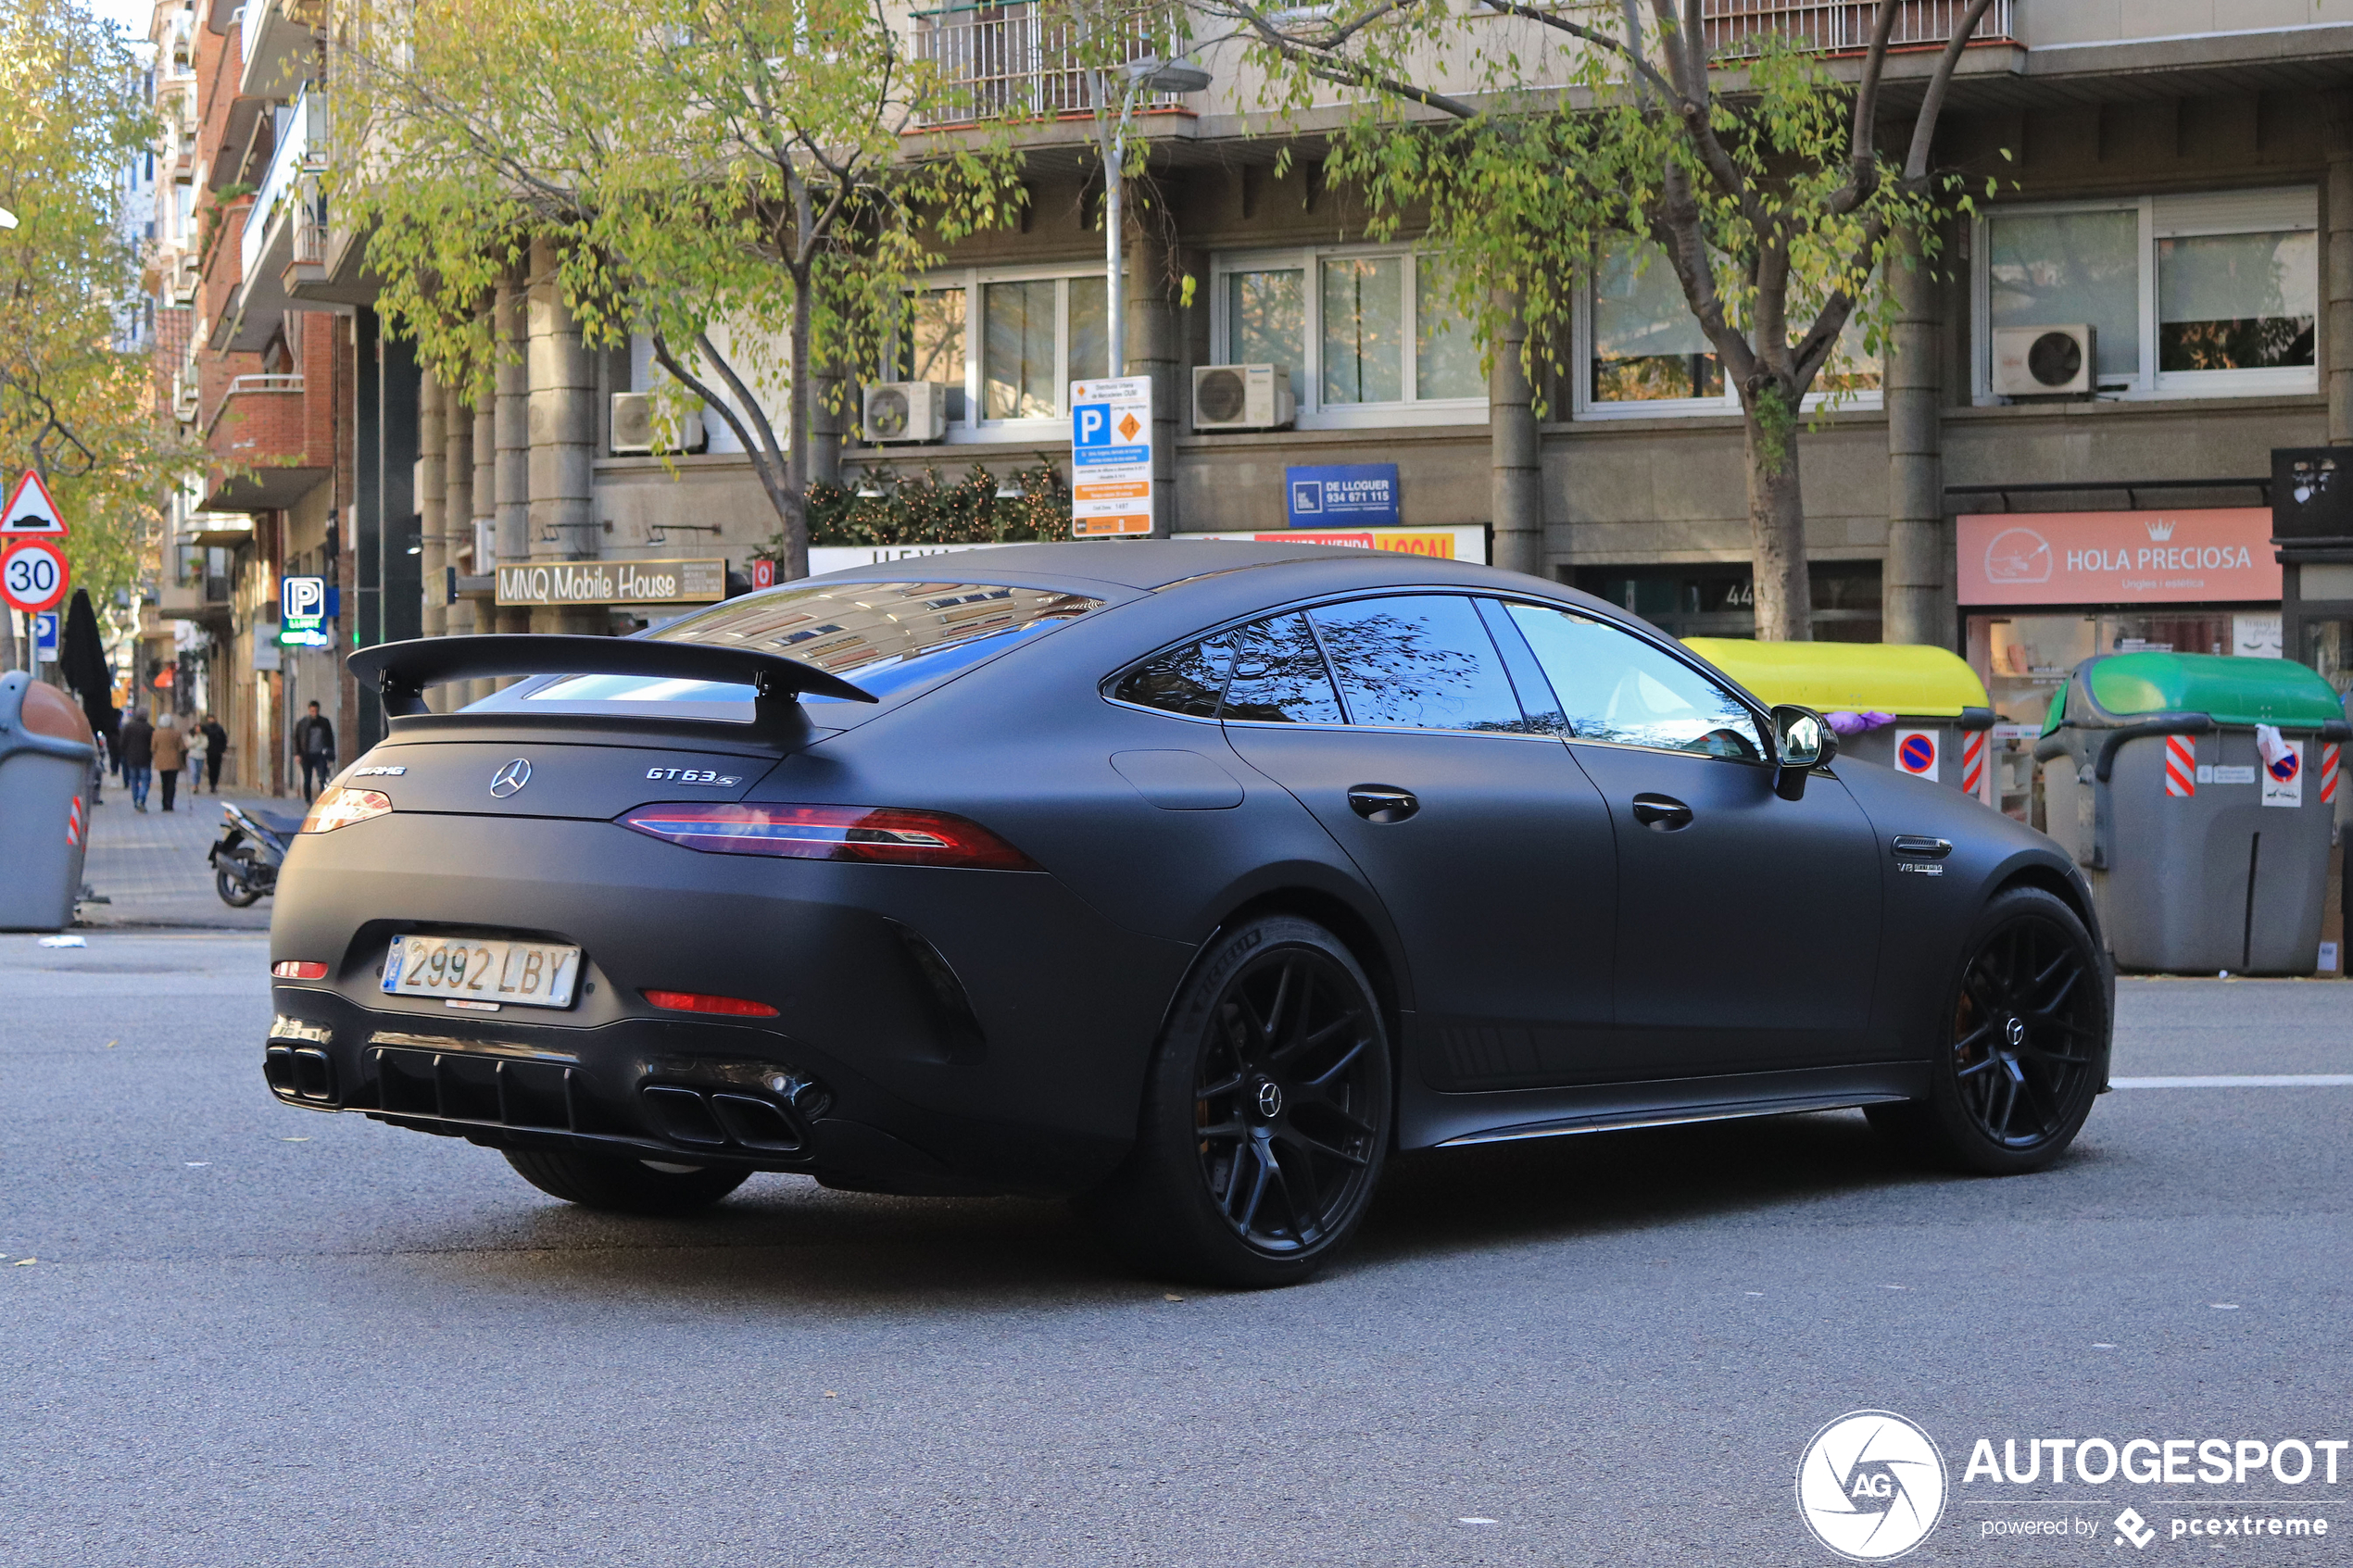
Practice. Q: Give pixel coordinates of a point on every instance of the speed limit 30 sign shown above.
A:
(33, 576)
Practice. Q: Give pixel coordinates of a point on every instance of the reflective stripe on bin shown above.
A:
(1972, 761)
(2328, 773)
(2181, 766)
(73, 823)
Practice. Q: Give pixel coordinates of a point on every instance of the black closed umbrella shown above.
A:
(82, 659)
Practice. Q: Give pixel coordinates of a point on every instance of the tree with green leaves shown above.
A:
(77, 403)
(732, 178)
(1541, 140)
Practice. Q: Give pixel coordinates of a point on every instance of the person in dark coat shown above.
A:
(215, 747)
(314, 742)
(138, 756)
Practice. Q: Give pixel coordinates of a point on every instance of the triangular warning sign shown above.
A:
(31, 511)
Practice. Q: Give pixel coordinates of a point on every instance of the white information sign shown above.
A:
(1110, 456)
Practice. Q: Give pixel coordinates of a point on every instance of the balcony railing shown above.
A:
(1738, 28)
(1022, 59)
(293, 167)
(263, 384)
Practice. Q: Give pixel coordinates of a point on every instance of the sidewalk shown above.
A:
(153, 868)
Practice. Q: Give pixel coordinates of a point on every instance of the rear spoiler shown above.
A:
(401, 671)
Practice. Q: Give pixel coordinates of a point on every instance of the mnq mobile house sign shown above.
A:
(613, 581)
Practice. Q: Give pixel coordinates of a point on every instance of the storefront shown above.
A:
(2041, 592)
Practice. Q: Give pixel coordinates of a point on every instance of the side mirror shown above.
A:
(1803, 741)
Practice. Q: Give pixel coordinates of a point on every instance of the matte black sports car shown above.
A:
(1190, 879)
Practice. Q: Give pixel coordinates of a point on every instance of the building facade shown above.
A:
(2175, 198)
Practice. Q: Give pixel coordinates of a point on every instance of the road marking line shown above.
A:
(2242, 1081)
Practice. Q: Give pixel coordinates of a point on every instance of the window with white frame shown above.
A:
(1367, 335)
(2213, 295)
(1644, 353)
(1007, 345)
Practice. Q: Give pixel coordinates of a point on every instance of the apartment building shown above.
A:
(2175, 179)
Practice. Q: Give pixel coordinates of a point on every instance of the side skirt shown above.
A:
(1431, 1120)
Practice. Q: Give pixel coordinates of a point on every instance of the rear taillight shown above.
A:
(695, 1001)
(299, 969)
(878, 834)
(341, 807)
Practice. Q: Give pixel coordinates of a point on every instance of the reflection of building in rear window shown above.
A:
(885, 637)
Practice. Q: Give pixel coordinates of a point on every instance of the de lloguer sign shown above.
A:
(613, 581)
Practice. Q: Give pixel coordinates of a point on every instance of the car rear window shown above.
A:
(889, 638)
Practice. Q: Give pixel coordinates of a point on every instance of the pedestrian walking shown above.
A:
(98, 769)
(216, 747)
(138, 756)
(172, 754)
(314, 741)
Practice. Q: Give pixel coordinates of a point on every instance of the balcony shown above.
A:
(283, 233)
(277, 46)
(220, 262)
(1735, 29)
(1019, 60)
(274, 439)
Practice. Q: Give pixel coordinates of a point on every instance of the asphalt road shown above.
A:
(255, 1334)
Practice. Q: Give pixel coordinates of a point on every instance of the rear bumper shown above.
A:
(938, 1031)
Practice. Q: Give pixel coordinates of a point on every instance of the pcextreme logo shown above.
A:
(1870, 1486)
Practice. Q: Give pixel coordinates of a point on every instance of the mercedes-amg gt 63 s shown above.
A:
(1187, 879)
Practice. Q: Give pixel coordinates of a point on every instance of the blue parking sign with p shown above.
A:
(44, 636)
(1092, 425)
(302, 600)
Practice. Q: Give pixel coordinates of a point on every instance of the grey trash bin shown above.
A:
(2203, 856)
(46, 753)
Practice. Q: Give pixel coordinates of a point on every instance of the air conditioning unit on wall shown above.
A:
(906, 410)
(633, 427)
(1242, 398)
(2041, 361)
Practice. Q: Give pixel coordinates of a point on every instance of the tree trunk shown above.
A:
(1777, 517)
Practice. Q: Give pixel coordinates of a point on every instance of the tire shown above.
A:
(634, 1186)
(1266, 1118)
(233, 889)
(2021, 1044)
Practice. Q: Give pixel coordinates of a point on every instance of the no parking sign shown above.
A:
(1916, 752)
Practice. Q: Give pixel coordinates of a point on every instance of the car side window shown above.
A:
(1187, 680)
(1417, 661)
(1279, 677)
(1617, 688)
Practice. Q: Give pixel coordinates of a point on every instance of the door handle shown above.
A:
(1661, 813)
(1382, 803)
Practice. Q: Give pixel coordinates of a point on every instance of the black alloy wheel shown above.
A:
(2023, 1035)
(2022, 1043)
(1266, 1118)
(1280, 1098)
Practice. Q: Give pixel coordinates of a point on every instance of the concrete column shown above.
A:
(486, 508)
(510, 497)
(1155, 348)
(826, 424)
(563, 440)
(1515, 480)
(457, 520)
(2336, 343)
(433, 474)
(1912, 582)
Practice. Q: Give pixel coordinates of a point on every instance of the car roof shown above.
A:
(1151, 565)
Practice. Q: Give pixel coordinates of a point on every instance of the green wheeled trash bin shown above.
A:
(1920, 710)
(2199, 791)
(46, 752)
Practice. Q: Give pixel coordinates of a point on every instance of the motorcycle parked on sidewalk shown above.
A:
(253, 846)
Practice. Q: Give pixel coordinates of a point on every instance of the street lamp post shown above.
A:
(1150, 74)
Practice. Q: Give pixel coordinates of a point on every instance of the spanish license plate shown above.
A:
(482, 970)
